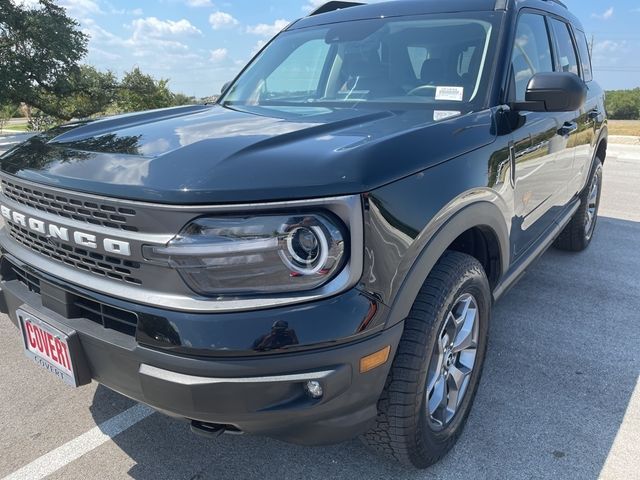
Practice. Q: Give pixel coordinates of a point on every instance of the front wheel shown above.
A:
(578, 233)
(438, 364)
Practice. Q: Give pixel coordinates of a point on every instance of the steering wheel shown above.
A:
(423, 88)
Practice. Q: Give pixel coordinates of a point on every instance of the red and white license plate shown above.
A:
(47, 346)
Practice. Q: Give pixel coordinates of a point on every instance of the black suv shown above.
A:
(315, 256)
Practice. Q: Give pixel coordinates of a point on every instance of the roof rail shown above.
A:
(331, 6)
(558, 2)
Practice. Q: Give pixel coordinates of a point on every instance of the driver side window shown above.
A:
(531, 54)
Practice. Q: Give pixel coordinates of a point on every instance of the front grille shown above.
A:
(109, 317)
(96, 263)
(30, 281)
(68, 207)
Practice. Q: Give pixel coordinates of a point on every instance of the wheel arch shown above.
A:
(480, 218)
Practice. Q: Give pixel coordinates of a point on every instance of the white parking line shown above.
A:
(76, 448)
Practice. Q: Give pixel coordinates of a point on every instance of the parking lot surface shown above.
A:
(559, 397)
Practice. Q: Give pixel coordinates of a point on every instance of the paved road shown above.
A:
(8, 140)
(560, 396)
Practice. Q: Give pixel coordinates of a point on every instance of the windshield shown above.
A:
(427, 59)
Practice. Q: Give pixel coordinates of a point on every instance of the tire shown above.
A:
(405, 429)
(578, 233)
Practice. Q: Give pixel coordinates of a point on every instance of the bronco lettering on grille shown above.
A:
(53, 231)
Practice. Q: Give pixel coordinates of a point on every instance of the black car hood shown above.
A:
(211, 154)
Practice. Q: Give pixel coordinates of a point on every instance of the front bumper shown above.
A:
(259, 394)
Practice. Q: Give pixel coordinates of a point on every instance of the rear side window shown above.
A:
(567, 58)
(531, 53)
(585, 57)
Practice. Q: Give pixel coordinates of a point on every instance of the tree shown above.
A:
(39, 53)
(88, 91)
(180, 99)
(624, 104)
(138, 92)
(7, 112)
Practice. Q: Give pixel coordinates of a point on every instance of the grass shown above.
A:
(21, 127)
(624, 127)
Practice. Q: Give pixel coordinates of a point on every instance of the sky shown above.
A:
(201, 44)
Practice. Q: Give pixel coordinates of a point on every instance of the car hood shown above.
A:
(211, 154)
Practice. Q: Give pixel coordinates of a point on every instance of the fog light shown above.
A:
(314, 389)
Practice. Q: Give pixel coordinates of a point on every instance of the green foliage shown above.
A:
(624, 104)
(7, 112)
(88, 92)
(138, 92)
(180, 99)
(40, 121)
(39, 53)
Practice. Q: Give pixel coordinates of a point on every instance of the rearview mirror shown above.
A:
(553, 92)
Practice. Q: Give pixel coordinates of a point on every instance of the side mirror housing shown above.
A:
(225, 87)
(553, 92)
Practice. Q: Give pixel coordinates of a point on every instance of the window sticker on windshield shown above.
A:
(452, 94)
(444, 114)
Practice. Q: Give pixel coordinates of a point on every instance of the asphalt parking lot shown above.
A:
(560, 396)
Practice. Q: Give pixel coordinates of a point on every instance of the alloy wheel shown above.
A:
(592, 206)
(452, 361)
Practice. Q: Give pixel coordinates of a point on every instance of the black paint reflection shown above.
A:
(38, 153)
(280, 336)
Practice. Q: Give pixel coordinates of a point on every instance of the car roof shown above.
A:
(400, 8)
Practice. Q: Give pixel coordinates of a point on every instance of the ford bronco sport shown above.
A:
(315, 256)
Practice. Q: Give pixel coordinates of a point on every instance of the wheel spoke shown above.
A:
(458, 383)
(466, 334)
(437, 396)
(467, 359)
(464, 307)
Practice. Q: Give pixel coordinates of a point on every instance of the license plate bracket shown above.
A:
(53, 347)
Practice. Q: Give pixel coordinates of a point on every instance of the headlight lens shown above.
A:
(263, 254)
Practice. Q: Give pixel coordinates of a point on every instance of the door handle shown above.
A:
(594, 114)
(567, 129)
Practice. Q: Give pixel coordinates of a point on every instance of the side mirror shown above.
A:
(225, 87)
(553, 92)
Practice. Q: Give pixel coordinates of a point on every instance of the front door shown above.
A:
(543, 157)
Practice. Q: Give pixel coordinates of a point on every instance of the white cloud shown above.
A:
(137, 12)
(606, 15)
(220, 20)
(606, 47)
(258, 46)
(218, 55)
(312, 5)
(30, 4)
(266, 30)
(81, 8)
(152, 27)
(199, 3)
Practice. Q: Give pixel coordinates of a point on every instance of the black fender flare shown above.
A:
(602, 137)
(484, 214)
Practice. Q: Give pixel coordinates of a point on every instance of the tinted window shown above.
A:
(299, 73)
(531, 53)
(435, 59)
(417, 56)
(585, 58)
(566, 50)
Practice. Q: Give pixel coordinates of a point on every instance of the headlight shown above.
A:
(262, 254)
